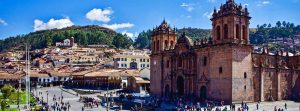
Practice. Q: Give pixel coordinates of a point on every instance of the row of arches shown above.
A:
(165, 46)
(238, 31)
(180, 89)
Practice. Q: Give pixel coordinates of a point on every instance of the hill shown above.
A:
(83, 35)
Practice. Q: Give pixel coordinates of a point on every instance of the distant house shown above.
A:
(10, 78)
(138, 84)
(66, 43)
(131, 60)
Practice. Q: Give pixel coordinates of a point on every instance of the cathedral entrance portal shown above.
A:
(203, 92)
(180, 86)
(167, 90)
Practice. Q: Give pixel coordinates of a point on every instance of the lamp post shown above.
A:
(61, 96)
(47, 97)
(19, 94)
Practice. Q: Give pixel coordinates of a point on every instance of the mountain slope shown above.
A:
(40, 39)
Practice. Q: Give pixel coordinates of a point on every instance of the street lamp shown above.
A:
(47, 96)
(61, 96)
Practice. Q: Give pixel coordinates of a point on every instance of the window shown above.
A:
(245, 87)
(244, 33)
(133, 60)
(166, 45)
(148, 60)
(141, 60)
(125, 59)
(245, 75)
(168, 63)
(237, 31)
(171, 47)
(157, 45)
(179, 62)
(204, 61)
(220, 70)
(225, 31)
(153, 48)
(125, 65)
(147, 65)
(270, 74)
(218, 33)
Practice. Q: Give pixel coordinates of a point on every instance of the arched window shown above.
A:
(204, 61)
(168, 64)
(220, 70)
(157, 45)
(225, 31)
(166, 45)
(218, 33)
(244, 33)
(179, 61)
(171, 46)
(245, 75)
(153, 48)
(237, 31)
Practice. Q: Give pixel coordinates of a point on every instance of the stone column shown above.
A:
(278, 87)
(262, 98)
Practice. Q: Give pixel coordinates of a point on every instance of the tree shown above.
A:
(122, 41)
(6, 91)
(278, 24)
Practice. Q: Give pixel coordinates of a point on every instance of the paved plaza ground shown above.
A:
(72, 99)
(77, 106)
(269, 106)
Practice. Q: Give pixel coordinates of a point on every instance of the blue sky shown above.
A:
(130, 16)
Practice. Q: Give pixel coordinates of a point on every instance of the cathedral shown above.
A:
(223, 67)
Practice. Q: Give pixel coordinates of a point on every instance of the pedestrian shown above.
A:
(285, 106)
(256, 106)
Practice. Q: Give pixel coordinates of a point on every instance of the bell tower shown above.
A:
(163, 38)
(230, 24)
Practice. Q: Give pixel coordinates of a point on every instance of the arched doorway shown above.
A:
(133, 65)
(203, 92)
(180, 86)
(167, 90)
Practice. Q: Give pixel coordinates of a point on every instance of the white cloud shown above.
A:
(262, 3)
(128, 34)
(118, 26)
(52, 24)
(188, 6)
(207, 14)
(3, 22)
(99, 14)
(133, 36)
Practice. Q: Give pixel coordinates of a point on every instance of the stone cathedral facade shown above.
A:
(224, 67)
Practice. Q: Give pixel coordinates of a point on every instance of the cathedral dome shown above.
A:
(184, 39)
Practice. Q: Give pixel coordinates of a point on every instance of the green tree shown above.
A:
(122, 41)
(6, 91)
